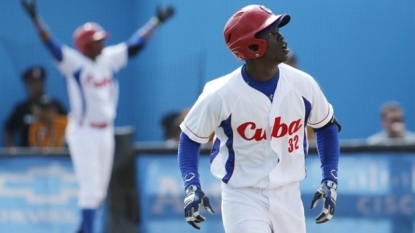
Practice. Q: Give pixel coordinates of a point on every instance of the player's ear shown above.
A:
(253, 47)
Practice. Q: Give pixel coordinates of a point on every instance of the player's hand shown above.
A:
(327, 192)
(195, 198)
(163, 14)
(30, 7)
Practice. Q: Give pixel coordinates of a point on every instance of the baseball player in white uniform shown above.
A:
(259, 113)
(93, 94)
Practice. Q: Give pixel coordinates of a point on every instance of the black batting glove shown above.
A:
(195, 198)
(30, 7)
(328, 194)
(163, 14)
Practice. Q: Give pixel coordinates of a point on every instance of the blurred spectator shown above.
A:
(393, 124)
(48, 131)
(292, 61)
(170, 127)
(16, 127)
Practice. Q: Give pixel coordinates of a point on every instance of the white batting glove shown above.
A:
(195, 198)
(327, 192)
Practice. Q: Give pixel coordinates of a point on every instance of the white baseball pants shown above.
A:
(253, 210)
(92, 153)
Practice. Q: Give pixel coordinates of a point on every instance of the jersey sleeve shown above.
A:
(71, 60)
(203, 117)
(116, 55)
(321, 110)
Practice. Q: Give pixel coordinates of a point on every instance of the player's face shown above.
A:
(277, 48)
(97, 46)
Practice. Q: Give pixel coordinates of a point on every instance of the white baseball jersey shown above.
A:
(259, 143)
(92, 88)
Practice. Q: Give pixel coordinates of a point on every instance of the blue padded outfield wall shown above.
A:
(361, 52)
(38, 194)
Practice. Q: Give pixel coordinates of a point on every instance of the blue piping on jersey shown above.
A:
(215, 150)
(55, 48)
(77, 76)
(114, 76)
(307, 109)
(230, 162)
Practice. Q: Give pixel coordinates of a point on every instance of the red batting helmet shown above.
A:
(241, 28)
(88, 33)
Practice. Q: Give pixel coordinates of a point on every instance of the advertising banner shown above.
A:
(375, 194)
(38, 194)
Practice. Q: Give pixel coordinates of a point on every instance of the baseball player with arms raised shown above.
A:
(259, 113)
(93, 94)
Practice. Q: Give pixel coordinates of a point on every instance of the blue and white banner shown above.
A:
(38, 194)
(376, 194)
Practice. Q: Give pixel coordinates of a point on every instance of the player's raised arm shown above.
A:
(142, 35)
(54, 47)
(30, 7)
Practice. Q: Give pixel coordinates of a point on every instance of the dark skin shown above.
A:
(96, 49)
(266, 67)
(30, 7)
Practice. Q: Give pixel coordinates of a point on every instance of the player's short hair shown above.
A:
(36, 72)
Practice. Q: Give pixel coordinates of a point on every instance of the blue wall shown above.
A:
(361, 52)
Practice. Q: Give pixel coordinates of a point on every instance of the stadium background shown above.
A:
(361, 53)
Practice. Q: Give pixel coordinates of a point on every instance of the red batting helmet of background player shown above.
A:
(241, 28)
(88, 33)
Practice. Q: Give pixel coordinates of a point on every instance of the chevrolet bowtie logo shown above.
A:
(59, 183)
